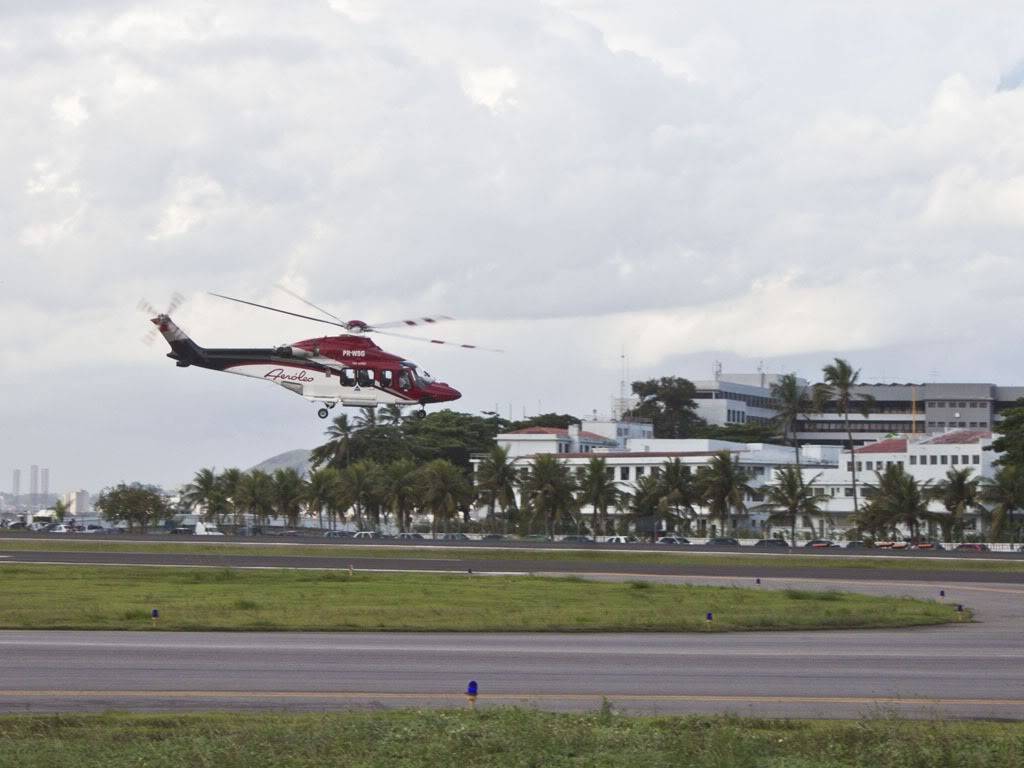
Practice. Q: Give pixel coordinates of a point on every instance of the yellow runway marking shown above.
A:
(420, 696)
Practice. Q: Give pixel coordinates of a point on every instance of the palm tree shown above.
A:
(790, 498)
(442, 488)
(679, 492)
(336, 452)
(227, 482)
(897, 499)
(840, 380)
(1004, 494)
(289, 493)
(496, 483)
(793, 402)
(391, 415)
(255, 495)
(549, 487)
(367, 417)
(361, 483)
(598, 490)
(60, 509)
(646, 505)
(321, 491)
(400, 488)
(205, 492)
(959, 494)
(722, 485)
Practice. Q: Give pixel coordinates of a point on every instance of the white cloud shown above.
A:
(567, 177)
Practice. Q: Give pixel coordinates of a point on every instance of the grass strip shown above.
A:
(678, 558)
(495, 738)
(121, 597)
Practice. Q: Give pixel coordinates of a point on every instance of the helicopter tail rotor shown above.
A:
(153, 313)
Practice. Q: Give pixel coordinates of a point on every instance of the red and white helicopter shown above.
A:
(348, 369)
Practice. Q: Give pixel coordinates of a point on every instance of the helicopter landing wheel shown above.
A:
(330, 406)
(322, 413)
(421, 413)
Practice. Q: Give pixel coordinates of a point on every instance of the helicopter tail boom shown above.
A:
(185, 351)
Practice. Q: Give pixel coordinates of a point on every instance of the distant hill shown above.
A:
(297, 460)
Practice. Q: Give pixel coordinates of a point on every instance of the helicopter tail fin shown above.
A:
(183, 349)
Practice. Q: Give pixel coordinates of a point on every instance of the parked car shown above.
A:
(337, 534)
(362, 535)
(574, 538)
(675, 541)
(927, 545)
(453, 537)
(773, 543)
(819, 544)
(17, 526)
(722, 541)
(58, 528)
(410, 536)
(857, 544)
(622, 540)
(972, 547)
(493, 537)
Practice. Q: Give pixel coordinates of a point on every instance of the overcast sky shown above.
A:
(735, 181)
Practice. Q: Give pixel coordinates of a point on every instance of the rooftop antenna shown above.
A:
(760, 370)
(717, 370)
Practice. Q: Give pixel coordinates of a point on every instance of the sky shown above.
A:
(774, 183)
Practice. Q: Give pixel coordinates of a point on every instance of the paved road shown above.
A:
(339, 558)
(974, 670)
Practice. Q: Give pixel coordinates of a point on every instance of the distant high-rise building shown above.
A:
(33, 486)
(44, 484)
(16, 485)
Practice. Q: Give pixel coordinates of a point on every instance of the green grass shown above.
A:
(685, 557)
(494, 738)
(121, 597)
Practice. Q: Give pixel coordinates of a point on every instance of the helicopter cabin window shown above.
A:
(386, 378)
(348, 377)
(364, 377)
(404, 380)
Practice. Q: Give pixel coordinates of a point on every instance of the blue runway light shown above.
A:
(942, 593)
(155, 613)
(757, 581)
(709, 617)
(471, 689)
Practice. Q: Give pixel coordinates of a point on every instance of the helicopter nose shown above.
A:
(446, 393)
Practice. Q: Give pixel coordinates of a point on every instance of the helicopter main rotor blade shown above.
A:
(282, 311)
(435, 341)
(410, 323)
(309, 303)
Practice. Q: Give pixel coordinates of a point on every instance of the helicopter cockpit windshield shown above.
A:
(423, 378)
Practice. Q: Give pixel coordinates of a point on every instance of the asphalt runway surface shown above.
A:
(973, 670)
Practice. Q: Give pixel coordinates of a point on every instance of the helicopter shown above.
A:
(348, 369)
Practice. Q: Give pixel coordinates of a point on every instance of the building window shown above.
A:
(976, 459)
(849, 466)
(943, 459)
(983, 424)
(869, 465)
(954, 460)
(858, 466)
(899, 464)
(848, 491)
(913, 460)
(639, 472)
(935, 460)
(965, 459)
(623, 473)
(609, 472)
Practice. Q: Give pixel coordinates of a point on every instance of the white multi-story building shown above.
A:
(77, 503)
(926, 458)
(647, 455)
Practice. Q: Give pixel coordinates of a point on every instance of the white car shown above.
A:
(59, 529)
(622, 540)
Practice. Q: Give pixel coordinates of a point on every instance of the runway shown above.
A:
(970, 671)
(460, 561)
